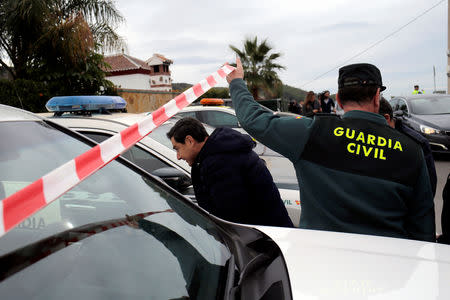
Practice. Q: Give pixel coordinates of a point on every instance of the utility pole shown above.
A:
(434, 79)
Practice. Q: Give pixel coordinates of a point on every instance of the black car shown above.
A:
(427, 114)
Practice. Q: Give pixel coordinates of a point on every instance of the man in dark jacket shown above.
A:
(230, 180)
(387, 113)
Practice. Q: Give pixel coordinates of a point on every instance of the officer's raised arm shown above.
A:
(262, 124)
(237, 73)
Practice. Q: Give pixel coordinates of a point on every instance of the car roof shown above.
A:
(115, 125)
(8, 113)
(216, 108)
(420, 96)
(338, 265)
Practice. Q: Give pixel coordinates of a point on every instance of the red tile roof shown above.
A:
(123, 62)
(163, 58)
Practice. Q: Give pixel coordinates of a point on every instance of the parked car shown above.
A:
(429, 115)
(121, 233)
(124, 234)
(155, 154)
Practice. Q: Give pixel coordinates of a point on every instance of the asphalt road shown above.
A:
(442, 164)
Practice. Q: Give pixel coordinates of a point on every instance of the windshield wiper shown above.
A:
(21, 258)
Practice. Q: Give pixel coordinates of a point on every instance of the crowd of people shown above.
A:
(312, 105)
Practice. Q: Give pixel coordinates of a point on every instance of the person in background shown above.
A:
(230, 180)
(327, 104)
(376, 181)
(417, 91)
(387, 113)
(291, 106)
(311, 105)
(294, 107)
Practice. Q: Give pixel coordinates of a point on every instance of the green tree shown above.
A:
(56, 41)
(260, 68)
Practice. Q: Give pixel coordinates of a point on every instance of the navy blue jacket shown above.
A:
(423, 142)
(231, 182)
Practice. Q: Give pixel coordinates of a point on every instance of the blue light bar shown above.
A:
(85, 103)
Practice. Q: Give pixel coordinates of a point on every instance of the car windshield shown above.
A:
(431, 105)
(81, 242)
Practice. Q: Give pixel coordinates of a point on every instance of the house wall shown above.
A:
(139, 101)
(162, 82)
(131, 81)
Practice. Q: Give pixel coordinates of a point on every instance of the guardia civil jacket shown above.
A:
(355, 174)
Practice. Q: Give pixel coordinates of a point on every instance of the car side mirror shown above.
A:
(174, 178)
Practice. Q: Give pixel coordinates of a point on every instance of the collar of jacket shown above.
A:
(360, 114)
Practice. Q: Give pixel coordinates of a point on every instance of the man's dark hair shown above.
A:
(386, 108)
(357, 93)
(187, 126)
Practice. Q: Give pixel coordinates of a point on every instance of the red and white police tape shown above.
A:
(19, 206)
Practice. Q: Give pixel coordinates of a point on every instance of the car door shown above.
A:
(152, 164)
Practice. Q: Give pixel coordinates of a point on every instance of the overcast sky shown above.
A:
(314, 36)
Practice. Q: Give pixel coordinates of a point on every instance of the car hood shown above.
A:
(441, 121)
(331, 265)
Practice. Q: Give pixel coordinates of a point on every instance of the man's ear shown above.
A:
(387, 117)
(189, 140)
(376, 100)
(338, 100)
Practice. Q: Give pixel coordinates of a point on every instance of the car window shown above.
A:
(135, 154)
(394, 104)
(402, 106)
(185, 114)
(431, 105)
(160, 134)
(219, 119)
(174, 253)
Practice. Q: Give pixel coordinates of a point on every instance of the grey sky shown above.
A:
(314, 37)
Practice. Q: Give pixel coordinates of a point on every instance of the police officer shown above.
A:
(356, 174)
(417, 91)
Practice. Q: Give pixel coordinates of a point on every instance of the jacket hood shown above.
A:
(227, 140)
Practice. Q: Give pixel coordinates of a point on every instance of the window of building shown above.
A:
(156, 69)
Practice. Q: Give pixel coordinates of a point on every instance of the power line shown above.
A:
(374, 44)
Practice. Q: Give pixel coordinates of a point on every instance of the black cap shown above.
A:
(360, 74)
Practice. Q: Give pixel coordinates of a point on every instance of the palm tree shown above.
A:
(59, 33)
(260, 68)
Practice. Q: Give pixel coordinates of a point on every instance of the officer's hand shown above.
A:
(237, 73)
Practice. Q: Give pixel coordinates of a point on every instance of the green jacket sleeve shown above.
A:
(420, 223)
(285, 135)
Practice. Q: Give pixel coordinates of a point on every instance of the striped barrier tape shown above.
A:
(22, 204)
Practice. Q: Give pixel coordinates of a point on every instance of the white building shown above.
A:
(160, 78)
(128, 72)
